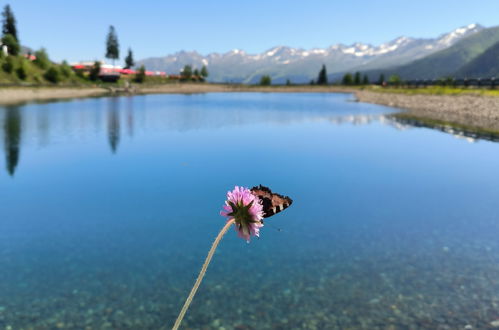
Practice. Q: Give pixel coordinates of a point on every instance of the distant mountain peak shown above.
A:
(284, 62)
(449, 38)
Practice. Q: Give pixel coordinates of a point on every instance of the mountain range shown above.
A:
(406, 56)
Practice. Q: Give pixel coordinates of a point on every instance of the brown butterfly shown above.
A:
(272, 203)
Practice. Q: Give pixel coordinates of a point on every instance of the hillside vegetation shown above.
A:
(484, 65)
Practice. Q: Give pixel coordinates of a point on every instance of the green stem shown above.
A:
(201, 273)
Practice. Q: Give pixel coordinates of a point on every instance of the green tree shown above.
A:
(312, 82)
(186, 72)
(94, 71)
(196, 74)
(347, 79)
(9, 23)
(66, 70)
(53, 75)
(356, 79)
(265, 80)
(365, 80)
(322, 78)
(140, 76)
(395, 80)
(381, 79)
(112, 45)
(42, 59)
(288, 82)
(12, 44)
(204, 72)
(129, 62)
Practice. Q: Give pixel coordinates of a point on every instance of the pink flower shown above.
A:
(247, 211)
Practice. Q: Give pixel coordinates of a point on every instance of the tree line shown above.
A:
(38, 68)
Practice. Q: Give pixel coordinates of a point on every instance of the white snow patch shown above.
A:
(350, 50)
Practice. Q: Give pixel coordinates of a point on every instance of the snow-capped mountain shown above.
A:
(300, 65)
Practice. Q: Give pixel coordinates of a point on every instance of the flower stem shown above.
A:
(201, 273)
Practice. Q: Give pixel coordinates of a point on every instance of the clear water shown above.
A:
(108, 207)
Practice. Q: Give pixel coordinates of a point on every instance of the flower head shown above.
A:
(247, 211)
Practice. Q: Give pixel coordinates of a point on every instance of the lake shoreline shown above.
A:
(471, 110)
(19, 95)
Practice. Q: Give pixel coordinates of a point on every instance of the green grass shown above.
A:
(32, 74)
(435, 90)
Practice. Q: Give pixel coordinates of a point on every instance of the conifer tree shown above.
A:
(186, 72)
(322, 78)
(365, 80)
(381, 79)
(112, 45)
(9, 23)
(356, 79)
(129, 62)
(265, 80)
(204, 71)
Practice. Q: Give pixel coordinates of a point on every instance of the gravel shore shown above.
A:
(474, 111)
(13, 95)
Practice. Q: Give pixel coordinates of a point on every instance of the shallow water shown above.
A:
(108, 207)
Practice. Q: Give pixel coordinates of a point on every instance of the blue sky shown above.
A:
(76, 30)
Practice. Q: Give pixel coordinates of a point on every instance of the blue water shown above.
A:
(108, 207)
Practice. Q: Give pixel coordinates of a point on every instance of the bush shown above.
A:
(80, 73)
(395, 80)
(53, 75)
(66, 70)
(12, 44)
(265, 80)
(347, 79)
(37, 78)
(8, 66)
(21, 71)
(140, 76)
(42, 59)
(94, 72)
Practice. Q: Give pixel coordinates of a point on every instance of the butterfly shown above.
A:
(272, 203)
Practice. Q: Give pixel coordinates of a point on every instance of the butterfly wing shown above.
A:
(272, 203)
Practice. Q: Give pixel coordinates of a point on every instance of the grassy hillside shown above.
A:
(484, 65)
(448, 61)
(19, 70)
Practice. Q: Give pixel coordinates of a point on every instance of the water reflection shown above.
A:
(130, 119)
(12, 137)
(469, 134)
(92, 121)
(113, 124)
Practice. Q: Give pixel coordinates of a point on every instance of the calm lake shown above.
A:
(108, 207)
